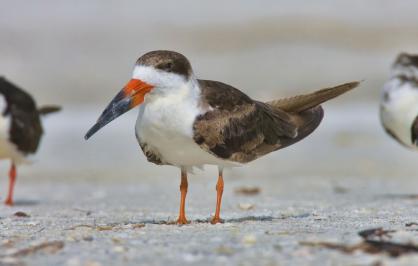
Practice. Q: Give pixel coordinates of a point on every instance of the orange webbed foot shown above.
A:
(9, 202)
(182, 221)
(216, 220)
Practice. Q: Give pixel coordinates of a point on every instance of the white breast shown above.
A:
(399, 108)
(7, 149)
(165, 124)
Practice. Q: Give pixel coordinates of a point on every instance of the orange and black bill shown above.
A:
(130, 96)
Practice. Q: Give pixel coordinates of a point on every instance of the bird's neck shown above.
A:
(187, 92)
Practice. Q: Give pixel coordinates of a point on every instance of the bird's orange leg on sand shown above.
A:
(219, 190)
(12, 181)
(183, 189)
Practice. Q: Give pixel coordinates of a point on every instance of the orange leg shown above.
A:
(219, 189)
(183, 189)
(12, 180)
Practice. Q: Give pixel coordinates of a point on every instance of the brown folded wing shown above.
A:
(26, 129)
(239, 129)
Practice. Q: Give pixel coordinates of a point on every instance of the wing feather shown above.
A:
(239, 129)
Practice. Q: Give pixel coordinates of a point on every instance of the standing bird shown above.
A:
(185, 122)
(399, 102)
(20, 128)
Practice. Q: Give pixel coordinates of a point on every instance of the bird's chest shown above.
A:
(8, 150)
(168, 118)
(166, 126)
(399, 111)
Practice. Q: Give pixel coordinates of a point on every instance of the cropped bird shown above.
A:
(20, 128)
(399, 102)
(188, 122)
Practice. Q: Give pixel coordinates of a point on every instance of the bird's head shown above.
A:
(155, 73)
(406, 65)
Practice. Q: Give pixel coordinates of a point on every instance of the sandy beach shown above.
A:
(101, 203)
(110, 208)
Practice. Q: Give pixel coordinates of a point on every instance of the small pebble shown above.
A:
(119, 249)
(88, 238)
(249, 239)
(137, 226)
(246, 206)
(223, 250)
(248, 191)
(33, 223)
(92, 263)
(73, 262)
(21, 214)
(10, 261)
(116, 240)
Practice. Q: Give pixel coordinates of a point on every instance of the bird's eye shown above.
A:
(166, 66)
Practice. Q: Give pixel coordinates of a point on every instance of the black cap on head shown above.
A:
(406, 59)
(167, 61)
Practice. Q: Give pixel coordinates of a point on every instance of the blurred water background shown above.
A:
(80, 53)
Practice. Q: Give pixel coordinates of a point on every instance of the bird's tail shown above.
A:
(304, 102)
(48, 109)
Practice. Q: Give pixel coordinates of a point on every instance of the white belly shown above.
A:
(7, 149)
(400, 110)
(165, 124)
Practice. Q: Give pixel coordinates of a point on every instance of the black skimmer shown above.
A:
(399, 102)
(20, 128)
(186, 122)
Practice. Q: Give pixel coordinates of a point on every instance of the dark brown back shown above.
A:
(26, 129)
(240, 129)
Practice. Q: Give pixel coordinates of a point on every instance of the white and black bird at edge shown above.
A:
(399, 102)
(20, 128)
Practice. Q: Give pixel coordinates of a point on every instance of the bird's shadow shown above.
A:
(399, 196)
(249, 218)
(25, 203)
